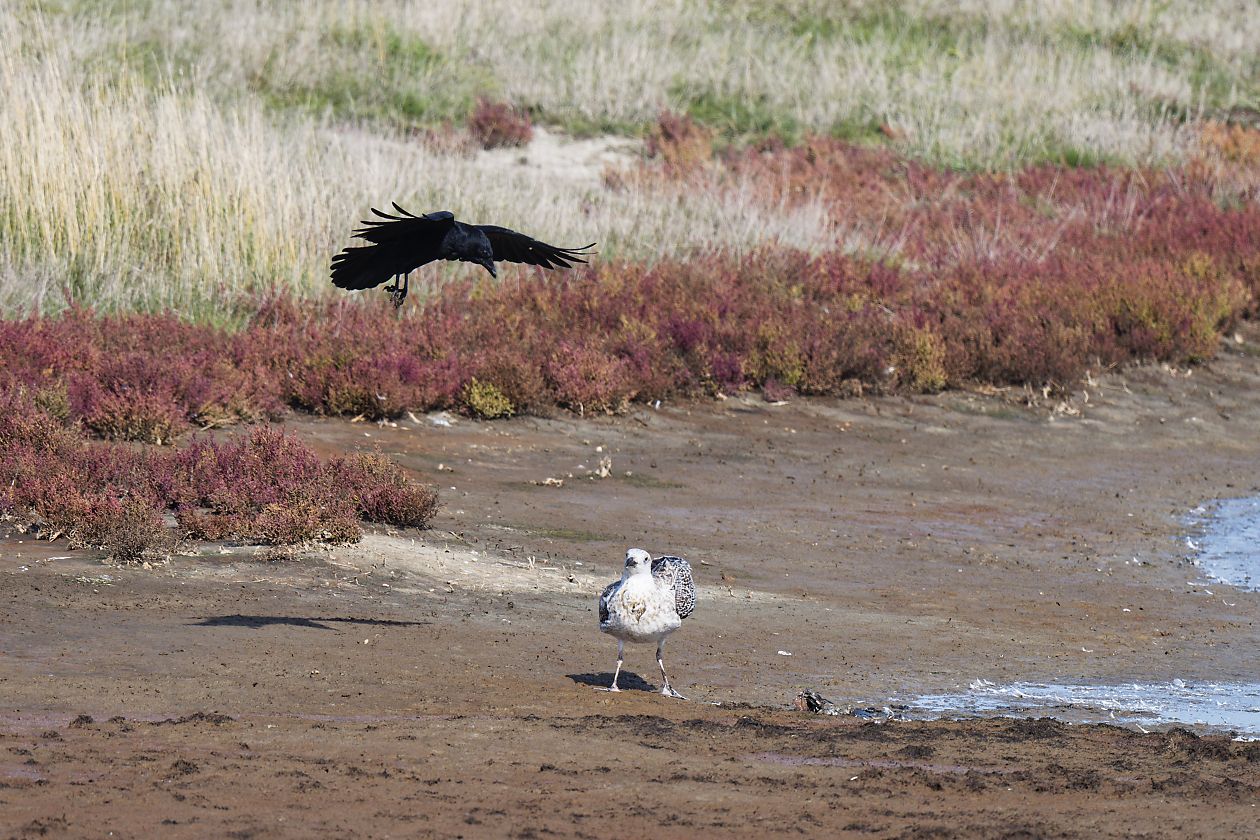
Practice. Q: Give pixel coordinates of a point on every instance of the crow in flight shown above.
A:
(403, 243)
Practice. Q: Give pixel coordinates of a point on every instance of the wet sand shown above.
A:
(441, 683)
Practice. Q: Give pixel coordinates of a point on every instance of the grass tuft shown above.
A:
(679, 141)
(484, 400)
(496, 124)
(384, 494)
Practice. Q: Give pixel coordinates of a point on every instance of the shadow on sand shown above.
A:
(256, 621)
(628, 681)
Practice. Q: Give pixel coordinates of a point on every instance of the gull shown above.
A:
(646, 605)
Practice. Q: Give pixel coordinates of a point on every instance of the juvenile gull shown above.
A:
(646, 605)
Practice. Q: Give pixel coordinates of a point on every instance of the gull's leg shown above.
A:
(666, 689)
(621, 656)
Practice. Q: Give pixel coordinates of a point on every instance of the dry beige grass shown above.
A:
(164, 153)
(121, 196)
(985, 82)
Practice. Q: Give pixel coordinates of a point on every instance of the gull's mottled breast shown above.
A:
(638, 609)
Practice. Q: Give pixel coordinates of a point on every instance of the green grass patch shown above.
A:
(1076, 157)
(828, 22)
(386, 44)
(151, 61)
(381, 75)
(587, 125)
(867, 132)
(1215, 82)
(739, 117)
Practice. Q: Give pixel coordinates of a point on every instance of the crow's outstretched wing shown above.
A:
(401, 243)
(675, 573)
(405, 226)
(510, 246)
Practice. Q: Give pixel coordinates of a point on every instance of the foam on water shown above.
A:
(1217, 706)
(1227, 544)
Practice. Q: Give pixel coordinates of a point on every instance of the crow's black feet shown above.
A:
(397, 294)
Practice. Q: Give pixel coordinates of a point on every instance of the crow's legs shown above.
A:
(666, 689)
(621, 657)
(398, 291)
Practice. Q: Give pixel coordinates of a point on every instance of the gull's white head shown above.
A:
(638, 562)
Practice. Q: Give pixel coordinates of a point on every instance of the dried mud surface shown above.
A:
(441, 683)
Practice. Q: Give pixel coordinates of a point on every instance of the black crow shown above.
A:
(403, 243)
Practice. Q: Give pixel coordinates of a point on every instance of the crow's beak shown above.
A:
(488, 265)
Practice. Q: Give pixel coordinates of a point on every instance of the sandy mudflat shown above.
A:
(441, 683)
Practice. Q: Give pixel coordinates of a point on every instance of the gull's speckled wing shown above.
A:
(675, 573)
(604, 596)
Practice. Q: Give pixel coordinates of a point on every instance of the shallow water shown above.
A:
(1226, 545)
(1210, 705)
